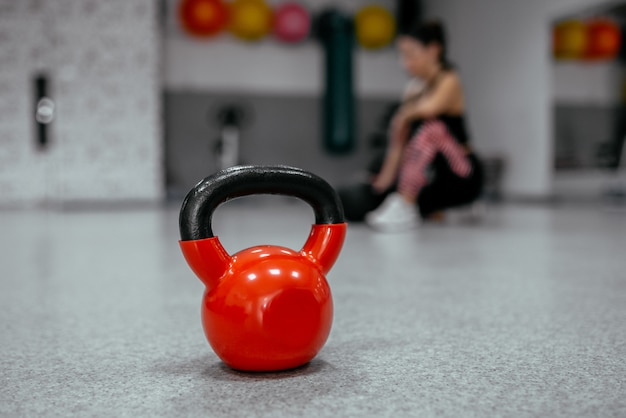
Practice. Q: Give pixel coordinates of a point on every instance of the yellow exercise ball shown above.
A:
(250, 20)
(570, 39)
(375, 27)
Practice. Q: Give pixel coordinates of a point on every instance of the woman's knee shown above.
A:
(431, 134)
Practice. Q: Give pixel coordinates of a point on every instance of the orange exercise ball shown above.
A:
(570, 39)
(203, 18)
(250, 20)
(375, 27)
(605, 38)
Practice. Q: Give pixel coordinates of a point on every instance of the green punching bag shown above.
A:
(336, 33)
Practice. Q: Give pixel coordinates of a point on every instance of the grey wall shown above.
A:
(282, 130)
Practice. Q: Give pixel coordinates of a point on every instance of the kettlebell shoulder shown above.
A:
(324, 244)
(273, 260)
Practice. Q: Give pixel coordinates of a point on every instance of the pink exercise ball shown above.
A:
(291, 22)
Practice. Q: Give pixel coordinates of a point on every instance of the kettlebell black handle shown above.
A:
(198, 207)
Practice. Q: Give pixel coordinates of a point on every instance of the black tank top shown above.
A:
(454, 123)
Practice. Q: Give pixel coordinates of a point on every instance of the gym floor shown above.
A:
(521, 315)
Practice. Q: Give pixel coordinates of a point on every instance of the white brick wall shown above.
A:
(102, 59)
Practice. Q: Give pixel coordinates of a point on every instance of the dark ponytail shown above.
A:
(432, 31)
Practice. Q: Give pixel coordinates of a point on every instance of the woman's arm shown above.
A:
(389, 171)
(398, 134)
(446, 97)
(413, 89)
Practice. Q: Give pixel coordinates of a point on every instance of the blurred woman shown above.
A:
(429, 158)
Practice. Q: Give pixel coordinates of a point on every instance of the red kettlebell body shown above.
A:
(274, 304)
(267, 307)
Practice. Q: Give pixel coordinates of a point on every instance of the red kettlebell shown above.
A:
(267, 307)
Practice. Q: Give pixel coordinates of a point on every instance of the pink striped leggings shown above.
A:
(432, 138)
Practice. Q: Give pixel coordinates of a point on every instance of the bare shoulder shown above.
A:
(451, 79)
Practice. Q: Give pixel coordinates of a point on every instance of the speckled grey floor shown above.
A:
(521, 316)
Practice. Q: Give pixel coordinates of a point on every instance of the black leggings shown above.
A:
(445, 190)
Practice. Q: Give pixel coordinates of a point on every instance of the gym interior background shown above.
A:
(136, 104)
(141, 77)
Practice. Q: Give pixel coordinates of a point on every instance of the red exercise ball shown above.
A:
(203, 18)
(292, 22)
(605, 38)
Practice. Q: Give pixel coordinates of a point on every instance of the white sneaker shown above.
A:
(393, 215)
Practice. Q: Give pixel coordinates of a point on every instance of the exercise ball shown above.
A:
(203, 18)
(604, 39)
(292, 22)
(250, 20)
(375, 27)
(570, 39)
